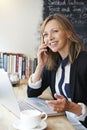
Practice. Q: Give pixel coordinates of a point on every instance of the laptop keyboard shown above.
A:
(36, 103)
(23, 105)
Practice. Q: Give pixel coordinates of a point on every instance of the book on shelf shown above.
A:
(18, 63)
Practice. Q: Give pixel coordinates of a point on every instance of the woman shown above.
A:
(68, 84)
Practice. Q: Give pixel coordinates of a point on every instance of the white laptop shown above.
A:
(9, 100)
(7, 95)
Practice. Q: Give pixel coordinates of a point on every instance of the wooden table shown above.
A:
(53, 123)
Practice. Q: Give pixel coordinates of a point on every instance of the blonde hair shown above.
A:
(75, 46)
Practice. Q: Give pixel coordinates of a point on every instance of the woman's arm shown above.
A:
(62, 105)
(42, 60)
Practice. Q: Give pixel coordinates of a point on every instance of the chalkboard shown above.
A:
(75, 10)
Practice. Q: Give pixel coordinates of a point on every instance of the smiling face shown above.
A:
(56, 38)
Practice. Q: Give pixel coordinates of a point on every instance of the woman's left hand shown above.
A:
(61, 104)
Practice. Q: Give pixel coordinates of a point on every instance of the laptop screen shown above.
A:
(7, 96)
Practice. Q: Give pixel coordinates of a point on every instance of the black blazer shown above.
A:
(78, 81)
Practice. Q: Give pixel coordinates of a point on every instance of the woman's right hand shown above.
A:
(42, 60)
(41, 55)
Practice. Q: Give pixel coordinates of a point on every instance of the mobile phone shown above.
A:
(47, 51)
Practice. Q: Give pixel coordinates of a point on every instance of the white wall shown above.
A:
(19, 25)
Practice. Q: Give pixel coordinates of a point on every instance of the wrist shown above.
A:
(75, 108)
(40, 66)
(39, 69)
(37, 74)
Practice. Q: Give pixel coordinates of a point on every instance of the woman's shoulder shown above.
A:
(82, 57)
(83, 54)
